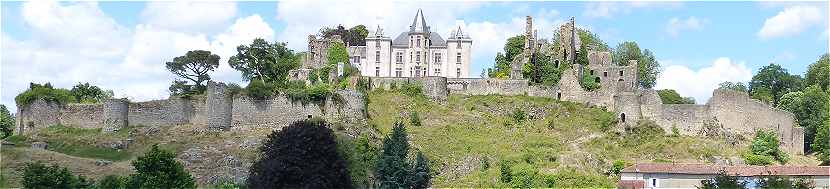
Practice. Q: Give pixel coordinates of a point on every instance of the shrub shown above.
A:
(753, 159)
(301, 155)
(258, 89)
(766, 144)
(571, 178)
(504, 170)
(38, 175)
(412, 89)
(617, 167)
(645, 129)
(315, 93)
(588, 81)
(519, 116)
(159, 169)
(722, 180)
(43, 92)
(783, 182)
(414, 119)
(234, 89)
(86, 93)
(6, 122)
(392, 169)
(421, 173)
(112, 181)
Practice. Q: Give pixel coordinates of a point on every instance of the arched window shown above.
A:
(596, 79)
(622, 117)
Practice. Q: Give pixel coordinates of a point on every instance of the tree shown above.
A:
(766, 144)
(6, 122)
(813, 114)
(355, 36)
(590, 39)
(194, 66)
(670, 96)
(821, 143)
(159, 169)
(393, 170)
(735, 86)
(722, 181)
(819, 73)
(86, 93)
(626, 51)
(264, 61)
(647, 70)
(783, 182)
(38, 175)
(421, 172)
(772, 82)
(512, 48)
(112, 182)
(301, 155)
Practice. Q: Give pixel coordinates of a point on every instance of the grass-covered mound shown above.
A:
(517, 141)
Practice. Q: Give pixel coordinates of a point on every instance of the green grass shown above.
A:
(82, 142)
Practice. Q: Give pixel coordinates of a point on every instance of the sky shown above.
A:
(123, 46)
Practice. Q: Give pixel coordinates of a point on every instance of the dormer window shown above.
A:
(377, 44)
(419, 41)
(458, 45)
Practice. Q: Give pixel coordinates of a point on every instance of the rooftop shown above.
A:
(704, 169)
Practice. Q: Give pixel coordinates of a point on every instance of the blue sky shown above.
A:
(123, 45)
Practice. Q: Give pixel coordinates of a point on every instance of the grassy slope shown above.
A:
(468, 137)
(465, 140)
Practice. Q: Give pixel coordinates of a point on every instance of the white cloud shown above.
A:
(189, 16)
(700, 83)
(791, 21)
(130, 62)
(676, 25)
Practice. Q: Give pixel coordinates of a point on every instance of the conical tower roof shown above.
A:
(419, 24)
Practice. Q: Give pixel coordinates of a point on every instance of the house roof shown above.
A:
(704, 169)
(403, 40)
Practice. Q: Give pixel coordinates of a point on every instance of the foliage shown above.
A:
(261, 60)
(159, 169)
(112, 182)
(6, 122)
(504, 172)
(572, 178)
(819, 73)
(421, 173)
(75, 142)
(43, 92)
(38, 175)
(735, 86)
(414, 119)
(301, 155)
(670, 96)
(298, 91)
(392, 169)
(361, 155)
(772, 82)
(412, 89)
(766, 144)
(626, 51)
(86, 93)
(258, 89)
(783, 182)
(821, 143)
(337, 53)
(813, 114)
(647, 65)
(582, 56)
(512, 48)
(524, 175)
(518, 116)
(590, 39)
(355, 36)
(181, 88)
(588, 81)
(194, 66)
(234, 89)
(645, 130)
(722, 181)
(617, 167)
(752, 159)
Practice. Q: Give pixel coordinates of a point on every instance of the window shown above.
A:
(356, 59)
(458, 45)
(592, 72)
(437, 58)
(419, 42)
(438, 72)
(377, 71)
(417, 71)
(621, 73)
(410, 57)
(398, 72)
(604, 74)
(418, 57)
(399, 57)
(557, 63)
(458, 72)
(458, 58)
(653, 182)
(377, 44)
(377, 56)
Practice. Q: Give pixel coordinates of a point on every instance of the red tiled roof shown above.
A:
(704, 169)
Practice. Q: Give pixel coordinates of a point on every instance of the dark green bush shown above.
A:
(753, 159)
(766, 144)
(112, 182)
(38, 175)
(414, 119)
(411, 89)
(159, 169)
(258, 89)
(588, 81)
(45, 92)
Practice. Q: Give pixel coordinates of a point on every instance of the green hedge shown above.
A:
(44, 92)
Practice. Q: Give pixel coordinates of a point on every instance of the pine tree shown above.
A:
(421, 173)
(392, 167)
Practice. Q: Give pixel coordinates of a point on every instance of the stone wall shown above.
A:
(173, 111)
(742, 114)
(82, 115)
(38, 114)
(345, 107)
(115, 113)
(433, 87)
(219, 106)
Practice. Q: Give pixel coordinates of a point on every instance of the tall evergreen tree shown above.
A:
(421, 173)
(302, 155)
(393, 170)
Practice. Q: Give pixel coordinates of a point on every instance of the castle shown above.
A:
(418, 52)
(726, 111)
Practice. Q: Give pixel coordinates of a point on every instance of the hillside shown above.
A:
(466, 138)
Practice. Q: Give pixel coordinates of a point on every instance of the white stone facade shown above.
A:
(418, 52)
